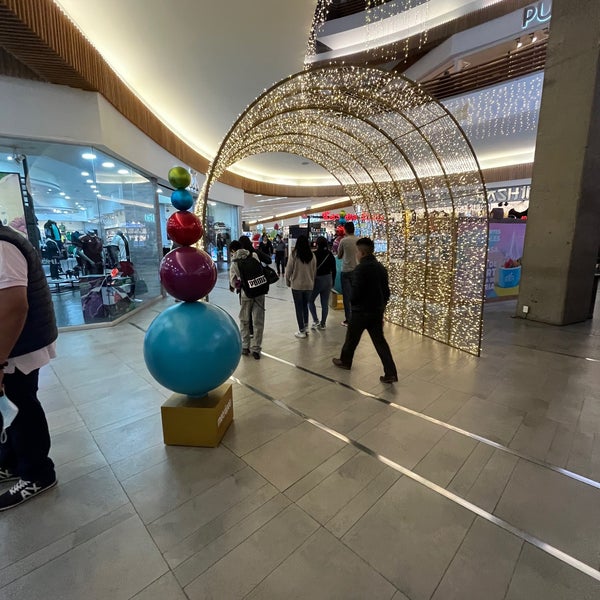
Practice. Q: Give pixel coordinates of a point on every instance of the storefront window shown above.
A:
(94, 220)
(222, 221)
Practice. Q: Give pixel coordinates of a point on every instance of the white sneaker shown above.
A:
(315, 325)
(301, 334)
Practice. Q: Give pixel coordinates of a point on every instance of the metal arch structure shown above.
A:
(409, 171)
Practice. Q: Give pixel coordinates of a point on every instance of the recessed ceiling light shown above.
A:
(61, 193)
(88, 156)
(9, 158)
(49, 189)
(85, 173)
(159, 191)
(98, 195)
(123, 172)
(89, 181)
(67, 197)
(93, 187)
(108, 164)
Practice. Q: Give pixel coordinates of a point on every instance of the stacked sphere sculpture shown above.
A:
(192, 347)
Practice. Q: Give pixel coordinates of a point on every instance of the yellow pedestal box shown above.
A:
(336, 301)
(202, 421)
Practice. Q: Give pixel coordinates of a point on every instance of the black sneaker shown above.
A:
(256, 355)
(23, 491)
(7, 475)
(338, 363)
(246, 351)
(388, 378)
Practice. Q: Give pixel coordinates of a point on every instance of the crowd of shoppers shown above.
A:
(311, 275)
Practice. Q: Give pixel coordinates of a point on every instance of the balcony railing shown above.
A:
(515, 64)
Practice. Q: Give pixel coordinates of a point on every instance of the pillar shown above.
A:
(563, 227)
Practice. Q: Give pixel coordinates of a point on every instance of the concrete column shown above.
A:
(563, 228)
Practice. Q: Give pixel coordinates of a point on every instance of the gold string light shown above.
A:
(409, 169)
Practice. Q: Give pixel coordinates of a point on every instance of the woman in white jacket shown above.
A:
(300, 276)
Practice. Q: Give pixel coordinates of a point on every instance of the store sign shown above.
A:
(329, 216)
(515, 193)
(537, 14)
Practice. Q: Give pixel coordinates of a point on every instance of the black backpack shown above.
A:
(254, 281)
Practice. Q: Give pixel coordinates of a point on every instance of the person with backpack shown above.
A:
(247, 278)
(300, 276)
(324, 281)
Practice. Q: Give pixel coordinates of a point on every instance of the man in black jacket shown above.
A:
(370, 294)
(27, 342)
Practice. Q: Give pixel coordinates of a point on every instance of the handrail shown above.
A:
(515, 64)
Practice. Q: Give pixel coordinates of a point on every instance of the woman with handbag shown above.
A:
(300, 276)
(324, 281)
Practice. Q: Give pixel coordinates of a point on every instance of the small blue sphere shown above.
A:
(182, 199)
(192, 347)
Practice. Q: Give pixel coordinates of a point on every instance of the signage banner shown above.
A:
(505, 249)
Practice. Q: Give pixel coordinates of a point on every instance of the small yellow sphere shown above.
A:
(179, 177)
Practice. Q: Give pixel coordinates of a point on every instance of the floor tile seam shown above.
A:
(514, 569)
(563, 471)
(289, 555)
(155, 581)
(459, 500)
(480, 471)
(468, 530)
(319, 482)
(71, 533)
(175, 507)
(290, 503)
(226, 531)
(460, 468)
(362, 489)
(558, 353)
(215, 517)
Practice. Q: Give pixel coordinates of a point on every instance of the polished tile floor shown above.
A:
(469, 479)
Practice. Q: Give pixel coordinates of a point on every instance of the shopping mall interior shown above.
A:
(433, 126)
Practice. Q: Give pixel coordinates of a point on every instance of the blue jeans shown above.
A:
(322, 288)
(347, 292)
(301, 299)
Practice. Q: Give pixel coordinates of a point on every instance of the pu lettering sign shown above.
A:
(224, 412)
(537, 14)
(257, 281)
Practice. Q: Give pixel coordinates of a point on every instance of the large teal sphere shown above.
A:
(192, 347)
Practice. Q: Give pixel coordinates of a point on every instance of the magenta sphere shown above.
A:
(188, 274)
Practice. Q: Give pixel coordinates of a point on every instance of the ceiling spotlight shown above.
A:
(519, 43)
(89, 181)
(123, 172)
(9, 157)
(61, 193)
(108, 164)
(533, 37)
(88, 156)
(85, 173)
(67, 197)
(159, 191)
(93, 187)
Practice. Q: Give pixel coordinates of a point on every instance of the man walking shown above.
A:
(27, 335)
(347, 252)
(247, 278)
(370, 293)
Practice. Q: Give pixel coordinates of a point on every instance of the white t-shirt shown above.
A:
(13, 273)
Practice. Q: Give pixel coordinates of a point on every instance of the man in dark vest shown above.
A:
(370, 293)
(27, 342)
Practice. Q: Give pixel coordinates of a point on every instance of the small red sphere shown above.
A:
(184, 228)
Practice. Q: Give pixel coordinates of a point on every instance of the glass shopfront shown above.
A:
(94, 219)
(223, 226)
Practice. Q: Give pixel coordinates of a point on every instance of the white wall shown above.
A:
(55, 113)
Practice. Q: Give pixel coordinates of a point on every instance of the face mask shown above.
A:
(8, 411)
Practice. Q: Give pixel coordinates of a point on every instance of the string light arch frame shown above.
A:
(408, 169)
